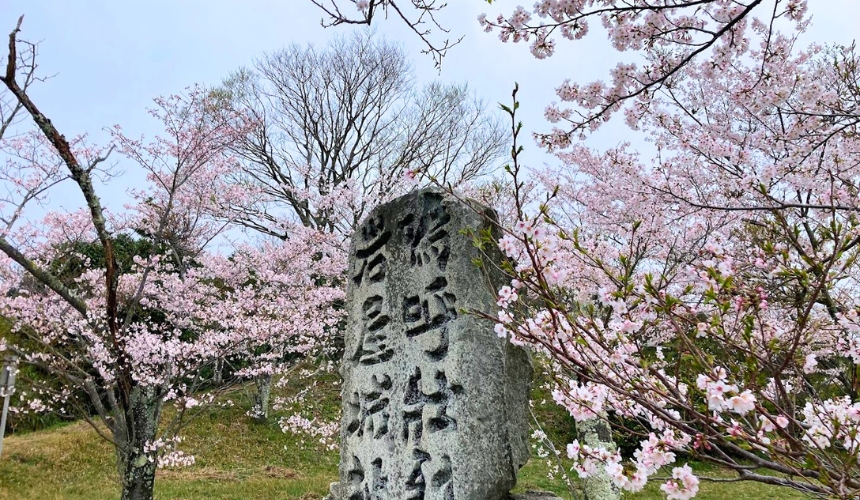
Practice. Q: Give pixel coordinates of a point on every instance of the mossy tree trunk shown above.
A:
(218, 372)
(260, 407)
(136, 466)
(596, 433)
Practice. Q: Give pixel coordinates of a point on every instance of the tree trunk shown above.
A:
(218, 375)
(136, 467)
(138, 478)
(260, 408)
(596, 432)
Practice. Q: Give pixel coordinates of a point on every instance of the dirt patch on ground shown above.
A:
(280, 472)
(216, 474)
(209, 473)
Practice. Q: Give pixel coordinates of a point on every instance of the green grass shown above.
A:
(533, 477)
(237, 459)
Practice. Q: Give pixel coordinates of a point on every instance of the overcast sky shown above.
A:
(112, 57)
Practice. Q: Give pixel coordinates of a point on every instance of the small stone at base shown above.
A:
(535, 495)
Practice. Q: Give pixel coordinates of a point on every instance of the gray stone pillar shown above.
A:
(435, 404)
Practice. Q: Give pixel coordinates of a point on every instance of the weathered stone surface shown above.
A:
(435, 405)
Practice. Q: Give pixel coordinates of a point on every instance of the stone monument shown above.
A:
(435, 404)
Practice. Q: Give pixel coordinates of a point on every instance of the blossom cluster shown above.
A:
(710, 293)
(666, 32)
(163, 452)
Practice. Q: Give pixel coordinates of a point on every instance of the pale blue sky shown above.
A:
(112, 57)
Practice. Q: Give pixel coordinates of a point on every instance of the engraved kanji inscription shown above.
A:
(435, 404)
(427, 234)
(374, 346)
(442, 484)
(426, 315)
(425, 406)
(363, 486)
(367, 411)
(416, 486)
(432, 309)
(370, 261)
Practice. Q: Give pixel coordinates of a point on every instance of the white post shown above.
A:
(7, 387)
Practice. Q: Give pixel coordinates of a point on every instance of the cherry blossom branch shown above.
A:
(45, 277)
(78, 174)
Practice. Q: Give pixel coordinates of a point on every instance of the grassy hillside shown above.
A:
(235, 459)
(238, 459)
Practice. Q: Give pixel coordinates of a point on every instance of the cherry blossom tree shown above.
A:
(707, 300)
(124, 336)
(704, 299)
(284, 296)
(662, 35)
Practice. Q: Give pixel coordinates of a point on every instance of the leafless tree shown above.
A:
(337, 127)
